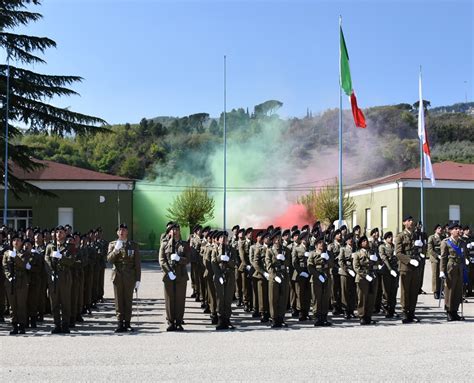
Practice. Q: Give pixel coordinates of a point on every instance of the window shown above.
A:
(384, 217)
(65, 216)
(454, 213)
(354, 219)
(18, 218)
(368, 223)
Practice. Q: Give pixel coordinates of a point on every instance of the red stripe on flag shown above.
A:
(359, 118)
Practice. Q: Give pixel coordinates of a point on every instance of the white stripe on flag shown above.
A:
(422, 135)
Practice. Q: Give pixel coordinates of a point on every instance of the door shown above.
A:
(65, 216)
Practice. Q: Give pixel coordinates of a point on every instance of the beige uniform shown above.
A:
(348, 285)
(452, 258)
(434, 252)
(299, 260)
(278, 291)
(258, 263)
(224, 281)
(366, 290)
(321, 290)
(389, 281)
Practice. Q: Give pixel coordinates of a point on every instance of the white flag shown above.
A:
(424, 139)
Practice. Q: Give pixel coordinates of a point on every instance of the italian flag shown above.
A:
(346, 83)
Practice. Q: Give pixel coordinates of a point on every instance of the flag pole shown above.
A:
(7, 105)
(422, 202)
(225, 142)
(340, 130)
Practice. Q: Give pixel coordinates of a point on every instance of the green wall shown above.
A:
(88, 213)
(437, 203)
(375, 201)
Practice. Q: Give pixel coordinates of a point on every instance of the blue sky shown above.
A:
(147, 58)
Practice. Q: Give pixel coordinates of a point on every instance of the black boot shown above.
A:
(255, 314)
(128, 327)
(33, 322)
(56, 329)
(72, 322)
(295, 313)
(193, 295)
(319, 321)
(21, 328)
(171, 327)
(179, 325)
(228, 324)
(450, 317)
(276, 323)
(407, 318)
(120, 327)
(65, 328)
(214, 319)
(79, 318)
(265, 318)
(197, 299)
(220, 324)
(14, 330)
(325, 321)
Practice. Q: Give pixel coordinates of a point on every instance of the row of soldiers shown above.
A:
(270, 272)
(58, 272)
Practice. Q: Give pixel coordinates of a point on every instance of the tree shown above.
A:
(267, 108)
(29, 92)
(324, 204)
(193, 206)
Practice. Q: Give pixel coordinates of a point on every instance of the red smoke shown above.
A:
(294, 215)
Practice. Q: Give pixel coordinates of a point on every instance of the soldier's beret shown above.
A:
(270, 228)
(16, 236)
(196, 228)
(349, 236)
(215, 235)
(285, 232)
(356, 227)
(223, 234)
(319, 239)
(171, 227)
(407, 218)
(77, 233)
(343, 227)
(336, 232)
(236, 227)
(437, 225)
(317, 223)
(302, 235)
(266, 235)
(206, 229)
(60, 227)
(305, 227)
(454, 226)
(374, 230)
(170, 223)
(388, 234)
(362, 239)
(249, 230)
(278, 228)
(276, 233)
(122, 226)
(260, 234)
(241, 231)
(466, 227)
(294, 228)
(295, 233)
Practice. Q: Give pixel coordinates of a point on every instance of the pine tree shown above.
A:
(29, 92)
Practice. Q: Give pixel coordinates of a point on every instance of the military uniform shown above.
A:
(59, 260)
(469, 255)
(196, 265)
(175, 289)
(434, 252)
(452, 265)
(409, 273)
(277, 285)
(43, 303)
(366, 280)
(348, 285)
(15, 268)
(126, 271)
(253, 253)
(34, 286)
(88, 264)
(3, 292)
(421, 250)
(292, 300)
(319, 266)
(209, 277)
(301, 277)
(261, 275)
(234, 249)
(223, 266)
(390, 277)
(77, 286)
(245, 269)
(334, 250)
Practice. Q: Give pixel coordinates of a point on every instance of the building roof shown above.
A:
(54, 171)
(443, 171)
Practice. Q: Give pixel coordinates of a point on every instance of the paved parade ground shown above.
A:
(432, 350)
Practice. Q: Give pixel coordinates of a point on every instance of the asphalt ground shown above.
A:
(433, 350)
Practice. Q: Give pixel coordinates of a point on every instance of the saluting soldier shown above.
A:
(58, 261)
(334, 249)
(365, 265)
(434, 252)
(451, 271)
(261, 275)
(301, 276)
(276, 264)
(15, 267)
(245, 267)
(223, 265)
(409, 273)
(390, 274)
(319, 266)
(174, 257)
(347, 273)
(126, 275)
